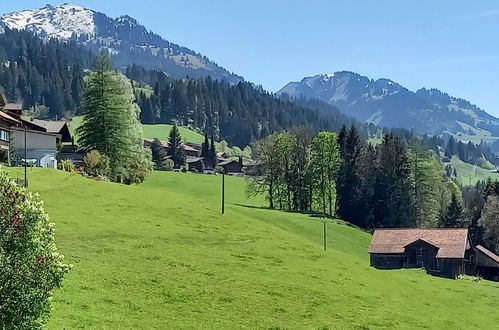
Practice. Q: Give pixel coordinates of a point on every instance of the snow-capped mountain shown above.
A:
(127, 41)
(387, 103)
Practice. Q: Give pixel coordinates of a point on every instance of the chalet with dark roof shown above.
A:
(443, 252)
(55, 127)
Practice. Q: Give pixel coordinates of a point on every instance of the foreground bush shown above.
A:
(30, 265)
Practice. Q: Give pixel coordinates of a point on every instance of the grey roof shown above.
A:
(50, 125)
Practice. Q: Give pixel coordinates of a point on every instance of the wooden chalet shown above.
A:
(443, 252)
(231, 166)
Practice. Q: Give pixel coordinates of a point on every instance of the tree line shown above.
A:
(393, 184)
(45, 74)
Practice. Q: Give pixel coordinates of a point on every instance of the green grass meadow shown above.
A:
(160, 131)
(161, 256)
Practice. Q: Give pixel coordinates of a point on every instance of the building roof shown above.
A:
(451, 242)
(488, 253)
(226, 162)
(164, 144)
(187, 147)
(50, 125)
(13, 107)
(194, 159)
(9, 118)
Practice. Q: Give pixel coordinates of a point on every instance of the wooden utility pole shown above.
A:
(325, 236)
(25, 158)
(223, 192)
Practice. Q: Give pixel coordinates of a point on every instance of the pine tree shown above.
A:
(158, 153)
(175, 146)
(111, 122)
(205, 147)
(453, 216)
(349, 181)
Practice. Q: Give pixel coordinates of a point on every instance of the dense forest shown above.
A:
(236, 113)
(48, 74)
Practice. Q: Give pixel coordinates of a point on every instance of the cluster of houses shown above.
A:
(196, 163)
(446, 252)
(42, 143)
(31, 142)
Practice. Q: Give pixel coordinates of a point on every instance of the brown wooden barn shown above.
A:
(486, 263)
(443, 252)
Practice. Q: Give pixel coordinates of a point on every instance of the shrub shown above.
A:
(67, 165)
(96, 164)
(30, 265)
(168, 165)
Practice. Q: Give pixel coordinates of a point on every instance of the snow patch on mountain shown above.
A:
(62, 22)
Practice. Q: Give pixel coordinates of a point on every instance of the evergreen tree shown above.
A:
(111, 122)
(158, 154)
(175, 147)
(348, 184)
(393, 191)
(453, 216)
(205, 147)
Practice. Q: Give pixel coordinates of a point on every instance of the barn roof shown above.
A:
(451, 242)
(488, 253)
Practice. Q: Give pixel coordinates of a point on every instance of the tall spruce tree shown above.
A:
(453, 216)
(175, 146)
(348, 184)
(393, 191)
(111, 122)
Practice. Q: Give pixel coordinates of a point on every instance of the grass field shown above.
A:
(159, 131)
(469, 174)
(160, 255)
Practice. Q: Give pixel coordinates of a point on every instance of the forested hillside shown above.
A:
(236, 113)
(49, 73)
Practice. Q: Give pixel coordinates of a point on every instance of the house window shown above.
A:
(4, 135)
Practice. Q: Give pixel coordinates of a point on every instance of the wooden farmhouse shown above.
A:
(443, 252)
(446, 252)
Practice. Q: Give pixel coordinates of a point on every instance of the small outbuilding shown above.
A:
(486, 263)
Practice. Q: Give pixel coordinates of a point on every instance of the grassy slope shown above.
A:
(159, 131)
(469, 174)
(160, 255)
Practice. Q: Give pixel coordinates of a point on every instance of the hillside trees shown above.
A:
(175, 147)
(325, 163)
(426, 174)
(110, 123)
(158, 154)
(30, 264)
(489, 221)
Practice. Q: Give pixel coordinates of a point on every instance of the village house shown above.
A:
(444, 252)
(40, 148)
(230, 166)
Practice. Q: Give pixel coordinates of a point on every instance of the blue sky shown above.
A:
(450, 45)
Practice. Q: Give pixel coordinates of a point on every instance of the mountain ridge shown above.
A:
(387, 103)
(124, 37)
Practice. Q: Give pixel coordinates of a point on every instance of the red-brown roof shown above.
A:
(451, 242)
(488, 253)
(9, 117)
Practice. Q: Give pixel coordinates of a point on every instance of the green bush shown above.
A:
(30, 265)
(96, 164)
(66, 165)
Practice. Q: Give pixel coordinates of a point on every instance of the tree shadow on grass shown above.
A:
(312, 214)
